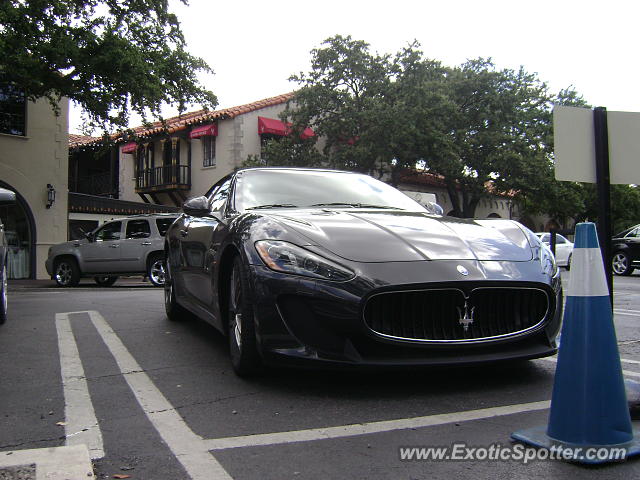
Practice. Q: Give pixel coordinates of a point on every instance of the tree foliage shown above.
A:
(109, 56)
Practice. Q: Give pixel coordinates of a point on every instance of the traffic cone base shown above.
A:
(579, 453)
(589, 407)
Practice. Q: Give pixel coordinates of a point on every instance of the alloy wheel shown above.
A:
(236, 302)
(5, 302)
(63, 273)
(620, 263)
(157, 273)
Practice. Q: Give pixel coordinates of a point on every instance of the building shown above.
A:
(34, 157)
(170, 161)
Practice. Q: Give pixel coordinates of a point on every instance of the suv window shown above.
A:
(164, 224)
(138, 229)
(111, 231)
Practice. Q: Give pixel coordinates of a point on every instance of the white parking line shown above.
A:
(632, 313)
(370, 428)
(81, 424)
(184, 444)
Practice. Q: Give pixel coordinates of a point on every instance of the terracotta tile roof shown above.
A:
(422, 178)
(186, 120)
(79, 140)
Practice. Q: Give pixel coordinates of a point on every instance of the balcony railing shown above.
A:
(159, 179)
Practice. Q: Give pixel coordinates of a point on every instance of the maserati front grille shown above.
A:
(451, 315)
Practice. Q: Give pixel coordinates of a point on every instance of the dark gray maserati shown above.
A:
(319, 267)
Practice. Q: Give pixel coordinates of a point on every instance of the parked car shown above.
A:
(564, 248)
(337, 268)
(7, 197)
(625, 248)
(127, 246)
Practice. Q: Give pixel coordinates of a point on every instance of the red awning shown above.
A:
(202, 130)
(129, 147)
(276, 127)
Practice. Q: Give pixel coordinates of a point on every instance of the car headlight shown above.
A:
(288, 258)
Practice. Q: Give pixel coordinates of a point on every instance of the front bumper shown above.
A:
(306, 322)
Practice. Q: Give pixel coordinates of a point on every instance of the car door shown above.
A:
(102, 253)
(135, 245)
(199, 248)
(632, 241)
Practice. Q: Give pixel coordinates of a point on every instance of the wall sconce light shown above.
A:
(51, 195)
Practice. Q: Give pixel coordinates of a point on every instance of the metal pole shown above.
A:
(603, 185)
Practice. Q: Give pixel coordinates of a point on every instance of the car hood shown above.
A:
(399, 236)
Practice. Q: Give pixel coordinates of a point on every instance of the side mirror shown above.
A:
(7, 197)
(197, 207)
(434, 208)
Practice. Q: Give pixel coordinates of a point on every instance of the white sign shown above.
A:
(573, 136)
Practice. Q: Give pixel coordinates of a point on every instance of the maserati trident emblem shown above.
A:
(462, 270)
(466, 315)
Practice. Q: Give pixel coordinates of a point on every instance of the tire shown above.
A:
(156, 270)
(105, 280)
(568, 267)
(3, 296)
(245, 358)
(175, 312)
(66, 272)
(621, 263)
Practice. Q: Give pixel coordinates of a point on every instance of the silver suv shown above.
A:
(126, 246)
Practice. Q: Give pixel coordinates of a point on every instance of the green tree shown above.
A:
(109, 56)
(493, 134)
(289, 151)
(349, 99)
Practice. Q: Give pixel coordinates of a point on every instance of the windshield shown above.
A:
(308, 188)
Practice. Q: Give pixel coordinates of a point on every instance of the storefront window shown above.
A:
(18, 235)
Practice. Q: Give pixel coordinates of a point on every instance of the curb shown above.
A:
(57, 463)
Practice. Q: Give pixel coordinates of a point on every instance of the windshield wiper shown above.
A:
(354, 205)
(273, 205)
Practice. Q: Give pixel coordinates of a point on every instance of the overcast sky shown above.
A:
(254, 46)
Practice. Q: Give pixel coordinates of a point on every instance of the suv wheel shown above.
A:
(155, 270)
(105, 280)
(621, 264)
(66, 272)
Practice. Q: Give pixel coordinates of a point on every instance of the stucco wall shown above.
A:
(29, 163)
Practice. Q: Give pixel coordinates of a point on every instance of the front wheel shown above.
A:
(245, 358)
(155, 270)
(175, 312)
(105, 281)
(3, 296)
(621, 264)
(66, 273)
(568, 267)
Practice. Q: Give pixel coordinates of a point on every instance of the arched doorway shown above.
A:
(20, 230)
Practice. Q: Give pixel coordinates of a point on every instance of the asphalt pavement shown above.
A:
(100, 373)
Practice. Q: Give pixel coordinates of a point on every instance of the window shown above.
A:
(13, 109)
(633, 233)
(208, 150)
(138, 229)
(221, 195)
(164, 224)
(111, 231)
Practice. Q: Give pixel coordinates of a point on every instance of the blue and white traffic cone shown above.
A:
(589, 405)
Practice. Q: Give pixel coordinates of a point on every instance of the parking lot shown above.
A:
(154, 399)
